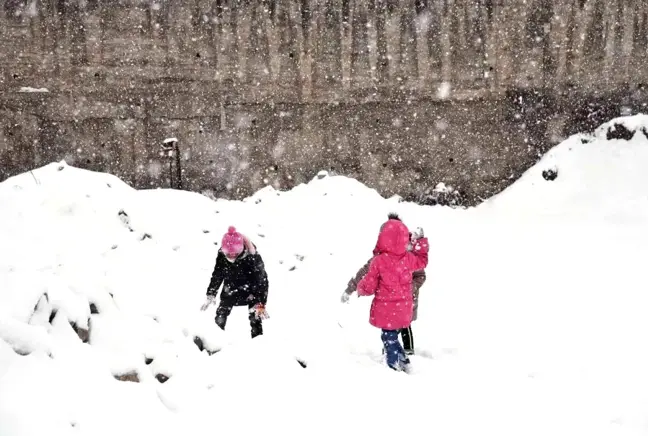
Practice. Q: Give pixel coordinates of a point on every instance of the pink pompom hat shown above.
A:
(233, 242)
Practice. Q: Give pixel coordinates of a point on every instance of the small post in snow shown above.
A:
(171, 149)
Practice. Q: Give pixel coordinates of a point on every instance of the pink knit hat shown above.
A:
(233, 242)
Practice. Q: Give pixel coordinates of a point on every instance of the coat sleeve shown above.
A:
(218, 275)
(418, 279)
(260, 277)
(369, 283)
(418, 257)
(353, 283)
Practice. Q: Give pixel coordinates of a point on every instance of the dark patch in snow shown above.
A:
(38, 303)
(161, 378)
(260, 235)
(293, 268)
(619, 131)
(205, 231)
(550, 174)
(199, 343)
(440, 195)
(299, 257)
(148, 360)
(52, 315)
(146, 236)
(61, 168)
(584, 141)
(93, 309)
(128, 377)
(302, 363)
(125, 219)
(109, 185)
(22, 351)
(114, 247)
(645, 132)
(201, 346)
(82, 333)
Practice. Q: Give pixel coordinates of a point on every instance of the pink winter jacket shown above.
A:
(390, 277)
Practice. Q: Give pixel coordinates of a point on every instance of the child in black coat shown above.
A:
(239, 267)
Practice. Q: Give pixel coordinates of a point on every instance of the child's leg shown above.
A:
(255, 324)
(392, 348)
(223, 311)
(408, 339)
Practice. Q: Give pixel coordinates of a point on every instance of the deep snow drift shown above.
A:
(532, 320)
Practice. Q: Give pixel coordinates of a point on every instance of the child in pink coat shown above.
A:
(389, 279)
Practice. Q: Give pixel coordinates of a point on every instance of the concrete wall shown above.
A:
(399, 94)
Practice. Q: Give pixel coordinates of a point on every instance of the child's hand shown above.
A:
(211, 299)
(345, 297)
(260, 311)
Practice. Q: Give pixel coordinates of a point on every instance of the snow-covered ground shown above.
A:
(532, 320)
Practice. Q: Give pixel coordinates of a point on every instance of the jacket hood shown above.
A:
(393, 238)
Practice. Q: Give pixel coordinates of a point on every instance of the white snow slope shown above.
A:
(532, 320)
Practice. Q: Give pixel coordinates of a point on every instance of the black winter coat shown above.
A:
(245, 281)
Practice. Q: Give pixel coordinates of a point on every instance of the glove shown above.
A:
(211, 299)
(260, 311)
(418, 234)
(345, 297)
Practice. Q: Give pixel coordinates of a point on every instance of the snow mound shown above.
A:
(599, 177)
(62, 177)
(531, 321)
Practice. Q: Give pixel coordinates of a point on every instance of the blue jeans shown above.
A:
(393, 348)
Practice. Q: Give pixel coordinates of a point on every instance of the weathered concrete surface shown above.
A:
(399, 94)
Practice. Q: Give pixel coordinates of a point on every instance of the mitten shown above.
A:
(211, 299)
